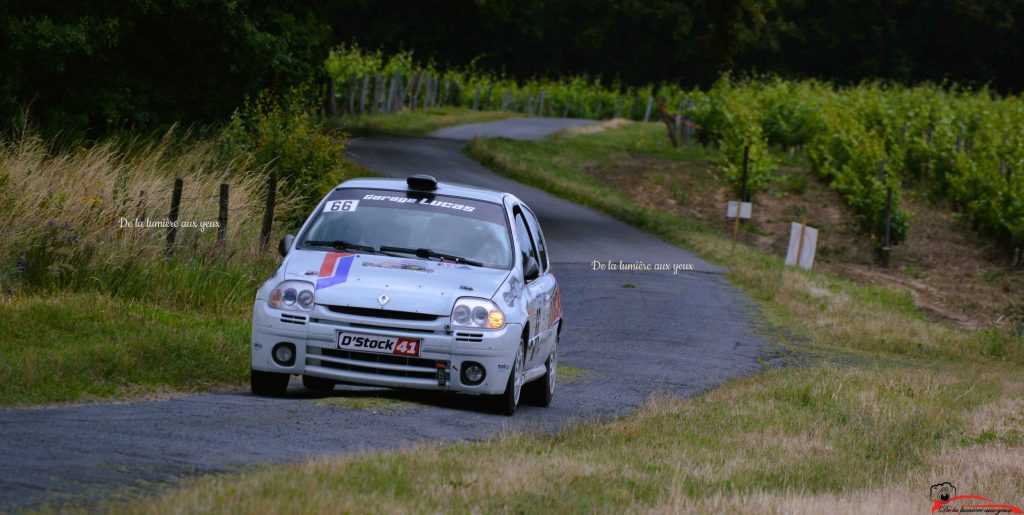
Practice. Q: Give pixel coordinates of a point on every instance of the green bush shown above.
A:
(284, 134)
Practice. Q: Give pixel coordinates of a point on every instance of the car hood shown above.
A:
(413, 285)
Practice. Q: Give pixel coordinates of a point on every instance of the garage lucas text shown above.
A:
(640, 266)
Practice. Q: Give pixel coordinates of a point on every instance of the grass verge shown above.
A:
(413, 123)
(84, 346)
(795, 440)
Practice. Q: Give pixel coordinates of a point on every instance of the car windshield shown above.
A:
(355, 219)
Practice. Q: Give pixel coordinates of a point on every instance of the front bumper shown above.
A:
(442, 356)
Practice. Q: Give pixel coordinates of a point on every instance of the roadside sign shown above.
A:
(803, 241)
(744, 207)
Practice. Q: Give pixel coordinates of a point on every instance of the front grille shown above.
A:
(383, 313)
(293, 319)
(371, 363)
(461, 336)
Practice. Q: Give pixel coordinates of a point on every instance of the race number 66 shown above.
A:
(340, 206)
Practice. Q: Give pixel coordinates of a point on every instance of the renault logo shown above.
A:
(383, 299)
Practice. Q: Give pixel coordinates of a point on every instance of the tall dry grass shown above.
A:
(62, 216)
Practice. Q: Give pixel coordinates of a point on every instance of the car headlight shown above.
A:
(477, 313)
(293, 295)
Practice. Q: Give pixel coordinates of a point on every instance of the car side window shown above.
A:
(525, 240)
(538, 239)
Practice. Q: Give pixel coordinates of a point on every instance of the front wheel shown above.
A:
(541, 391)
(509, 401)
(269, 384)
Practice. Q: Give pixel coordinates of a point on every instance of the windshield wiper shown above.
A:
(427, 253)
(340, 245)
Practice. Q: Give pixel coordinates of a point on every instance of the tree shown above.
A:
(116, 63)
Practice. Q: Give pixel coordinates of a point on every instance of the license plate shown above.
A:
(379, 344)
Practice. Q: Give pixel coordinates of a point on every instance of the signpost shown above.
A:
(737, 210)
(803, 241)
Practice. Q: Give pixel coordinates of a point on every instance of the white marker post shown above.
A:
(744, 209)
(803, 241)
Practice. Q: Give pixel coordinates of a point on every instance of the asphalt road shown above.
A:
(633, 333)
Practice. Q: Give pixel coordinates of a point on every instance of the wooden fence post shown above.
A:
(540, 104)
(568, 105)
(172, 230)
(374, 94)
(746, 164)
(408, 90)
(476, 99)
(415, 85)
(362, 94)
(487, 103)
(886, 242)
(647, 112)
(389, 100)
(399, 87)
(687, 124)
(404, 83)
(268, 213)
(222, 216)
(330, 102)
(678, 126)
(428, 90)
(352, 94)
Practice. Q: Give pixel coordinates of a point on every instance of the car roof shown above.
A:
(443, 188)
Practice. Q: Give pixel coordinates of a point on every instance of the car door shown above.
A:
(552, 302)
(541, 291)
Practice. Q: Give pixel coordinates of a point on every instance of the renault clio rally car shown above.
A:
(412, 284)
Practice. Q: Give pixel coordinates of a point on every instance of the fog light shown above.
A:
(472, 373)
(284, 354)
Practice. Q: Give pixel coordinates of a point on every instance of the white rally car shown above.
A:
(412, 284)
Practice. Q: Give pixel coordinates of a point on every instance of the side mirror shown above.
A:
(285, 244)
(530, 269)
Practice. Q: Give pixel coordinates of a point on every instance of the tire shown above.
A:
(509, 401)
(318, 384)
(268, 384)
(542, 390)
